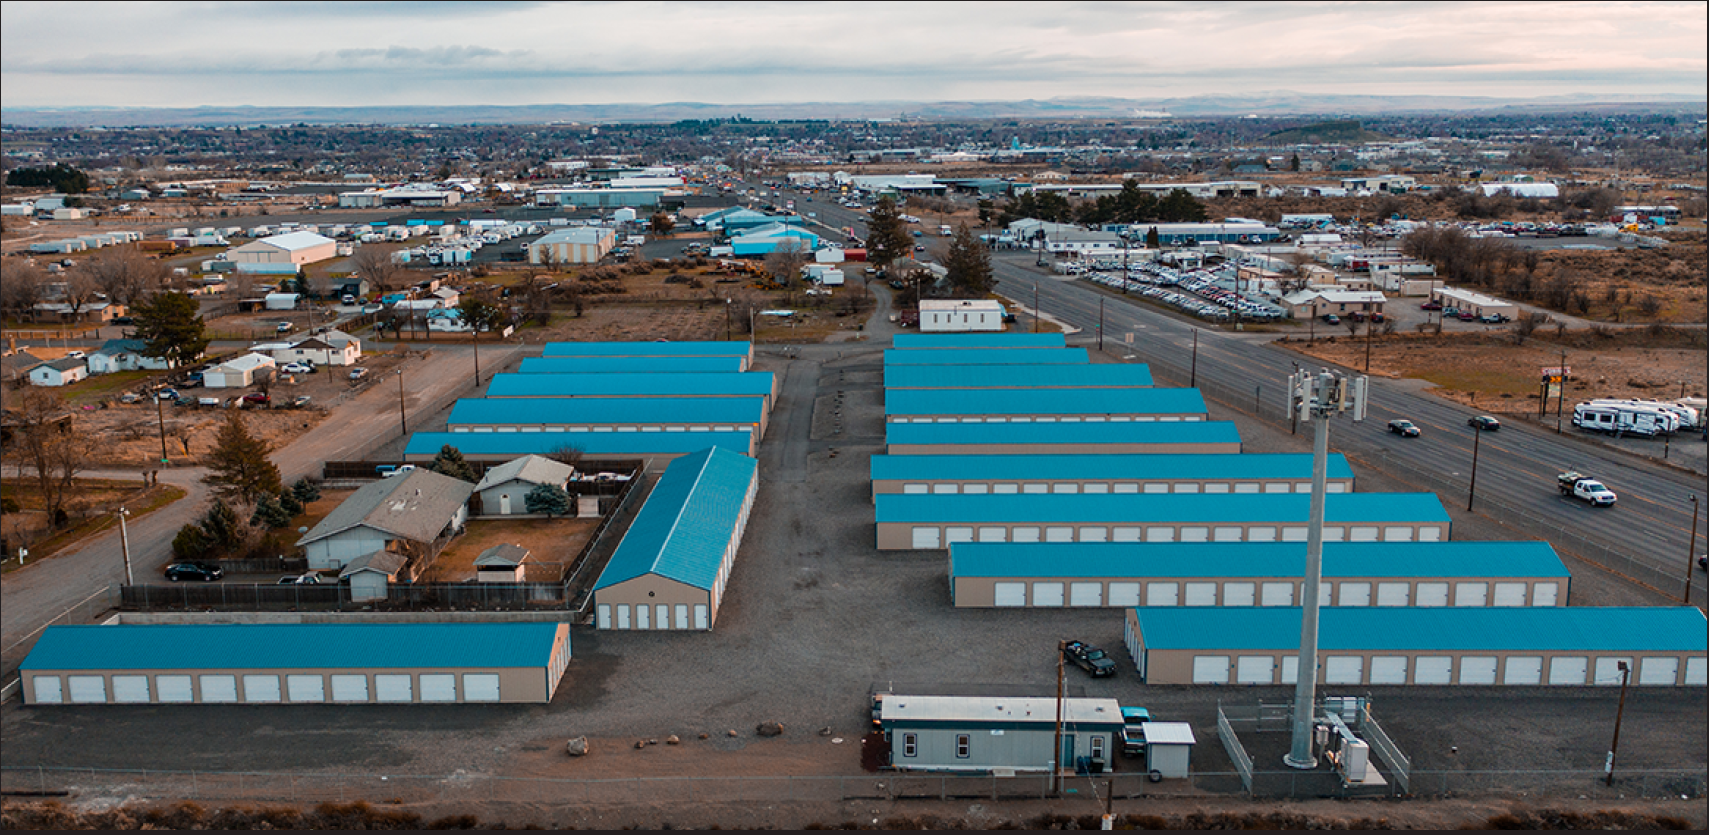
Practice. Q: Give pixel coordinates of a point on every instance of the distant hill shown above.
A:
(1348, 132)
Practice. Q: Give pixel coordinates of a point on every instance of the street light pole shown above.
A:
(1619, 713)
(125, 546)
(1193, 380)
(1561, 391)
(160, 421)
(1690, 551)
(1035, 307)
(1471, 492)
(403, 421)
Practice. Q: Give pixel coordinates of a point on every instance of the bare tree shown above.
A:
(377, 266)
(78, 290)
(46, 443)
(125, 274)
(785, 262)
(21, 286)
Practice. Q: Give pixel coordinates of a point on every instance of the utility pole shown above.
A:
(1317, 397)
(124, 546)
(1193, 380)
(1472, 490)
(1561, 391)
(1100, 324)
(1690, 551)
(403, 421)
(1056, 753)
(1619, 713)
(160, 421)
(1035, 307)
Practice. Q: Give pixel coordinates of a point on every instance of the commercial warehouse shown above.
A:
(986, 733)
(670, 569)
(745, 350)
(1255, 574)
(983, 356)
(1000, 474)
(745, 384)
(1565, 645)
(1122, 376)
(609, 414)
(1123, 437)
(933, 341)
(632, 365)
(1042, 405)
(931, 522)
(657, 448)
(297, 663)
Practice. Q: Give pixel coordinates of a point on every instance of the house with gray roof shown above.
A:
(504, 488)
(405, 513)
(124, 355)
(60, 372)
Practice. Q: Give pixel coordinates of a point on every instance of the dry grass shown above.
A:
(551, 544)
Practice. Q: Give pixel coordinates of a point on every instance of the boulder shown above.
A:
(672, 740)
(576, 747)
(769, 729)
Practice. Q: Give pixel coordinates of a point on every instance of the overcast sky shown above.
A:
(181, 54)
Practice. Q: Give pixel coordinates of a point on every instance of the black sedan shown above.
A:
(194, 571)
(1404, 428)
(1483, 423)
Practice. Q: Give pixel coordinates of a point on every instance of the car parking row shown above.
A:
(1203, 297)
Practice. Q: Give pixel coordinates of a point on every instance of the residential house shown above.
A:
(504, 489)
(59, 372)
(406, 514)
(124, 355)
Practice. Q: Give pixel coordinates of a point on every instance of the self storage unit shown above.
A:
(633, 365)
(1151, 474)
(932, 341)
(1383, 574)
(1202, 437)
(609, 414)
(983, 356)
(657, 448)
(745, 384)
(744, 350)
(297, 663)
(983, 734)
(670, 569)
(933, 522)
(1565, 645)
(1042, 405)
(1123, 376)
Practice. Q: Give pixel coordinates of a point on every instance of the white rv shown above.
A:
(1621, 419)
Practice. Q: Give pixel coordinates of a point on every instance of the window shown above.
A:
(910, 745)
(963, 744)
(1098, 747)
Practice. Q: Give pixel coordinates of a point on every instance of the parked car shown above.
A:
(1331, 319)
(1089, 658)
(1483, 423)
(300, 401)
(311, 578)
(283, 327)
(296, 368)
(358, 373)
(389, 470)
(1468, 316)
(167, 394)
(1492, 318)
(1404, 428)
(207, 401)
(1450, 313)
(130, 397)
(1431, 305)
(194, 571)
(124, 320)
(257, 397)
(184, 401)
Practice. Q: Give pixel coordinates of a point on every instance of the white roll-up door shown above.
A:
(1510, 594)
(1065, 487)
(1433, 669)
(438, 687)
(679, 616)
(914, 489)
(1545, 594)
(1010, 594)
(1277, 594)
(1239, 594)
(1160, 533)
(1201, 594)
(1696, 672)
(1295, 534)
(623, 616)
(1058, 533)
(1126, 487)
(1657, 670)
(1392, 594)
(1334, 533)
(1186, 487)
(303, 687)
(173, 689)
(1094, 533)
(941, 489)
(1568, 669)
(87, 690)
(1388, 669)
(1354, 594)
(1035, 487)
(1195, 533)
(1047, 594)
(1328, 487)
(1025, 533)
(1086, 594)
(1325, 594)
(349, 687)
(394, 687)
(1155, 487)
(1095, 487)
(1364, 533)
(1229, 533)
(1277, 487)
(958, 533)
(702, 616)
(993, 533)
(1246, 487)
(1255, 669)
(1477, 669)
(976, 488)
(1523, 669)
(1344, 669)
(49, 690)
(1471, 594)
(1608, 671)
(1127, 533)
(1429, 533)
(130, 689)
(1431, 594)
(1216, 487)
(643, 616)
(1210, 669)
(1124, 594)
(480, 687)
(1397, 533)
(662, 616)
(925, 537)
(1005, 489)
(1261, 533)
(603, 611)
(1161, 594)
(260, 688)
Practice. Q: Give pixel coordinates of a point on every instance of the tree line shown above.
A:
(1130, 205)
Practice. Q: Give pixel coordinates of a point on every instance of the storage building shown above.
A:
(687, 384)
(745, 350)
(1014, 376)
(633, 365)
(983, 356)
(1037, 438)
(609, 414)
(1255, 574)
(237, 373)
(1000, 474)
(935, 341)
(1043, 405)
(657, 448)
(998, 734)
(1560, 645)
(580, 245)
(934, 522)
(283, 254)
(672, 565)
(1471, 301)
(961, 315)
(297, 663)
(503, 490)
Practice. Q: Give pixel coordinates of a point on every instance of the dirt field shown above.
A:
(551, 544)
(130, 434)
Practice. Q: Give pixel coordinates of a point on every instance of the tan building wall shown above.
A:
(526, 685)
(656, 595)
(1139, 590)
(1148, 417)
(906, 536)
(1189, 448)
(1104, 485)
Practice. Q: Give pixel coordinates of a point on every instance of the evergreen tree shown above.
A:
(969, 265)
(1152, 239)
(305, 491)
(887, 238)
(190, 543)
(172, 326)
(238, 466)
(269, 511)
(288, 501)
(549, 499)
(450, 462)
(219, 527)
(1180, 207)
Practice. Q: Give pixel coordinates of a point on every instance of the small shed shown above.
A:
(502, 563)
(1168, 748)
(282, 301)
(504, 489)
(238, 373)
(371, 574)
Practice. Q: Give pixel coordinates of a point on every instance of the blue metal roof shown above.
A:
(1101, 375)
(1106, 401)
(512, 444)
(1148, 432)
(663, 385)
(1139, 467)
(648, 349)
(987, 356)
(1253, 559)
(1339, 508)
(631, 365)
(1450, 628)
(292, 646)
(979, 340)
(684, 528)
(511, 411)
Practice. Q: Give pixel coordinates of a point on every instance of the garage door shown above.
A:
(1433, 669)
(1429, 533)
(1294, 534)
(623, 616)
(913, 489)
(1568, 669)
(1086, 594)
(1344, 669)
(643, 616)
(1239, 594)
(702, 616)
(217, 687)
(174, 689)
(1364, 533)
(305, 688)
(480, 687)
(1278, 594)
(1155, 487)
(1290, 669)
(1432, 594)
(1470, 594)
(261, 688)
(925, 537)
(1388, 669)
(993, 533)
(438, 687)
(1047, 594)
(679, 616)
(1658, 671)
(1010, 594)
(1024, 534)
(1201, 594)
(1261, 533)
(1127, 533)
(1392, 594)
(1195, 534)
(130, 689)
(1210, 669)
(1397, 533)
(1160, 533)
(1696, 672)
(958, 533)
(394, 687)
(1005, 489)
(1523, 669)
(1477, 669)
(603, 618)
(976, 488)
(1094, 533)
(1354, 594)
(1607, 670)
(349, 687)
(1255, 669)
(49, 690)
(1277, 487)
(1124, 594)
(944, 489)
(1545, 594)
(1510, 594)
(1246, 487)
(1058, 533)
(1229, 533)
(1162, 594)
(87, 689)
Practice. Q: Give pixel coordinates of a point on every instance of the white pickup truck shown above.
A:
(1584, 487)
